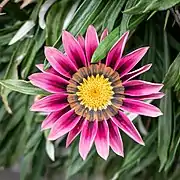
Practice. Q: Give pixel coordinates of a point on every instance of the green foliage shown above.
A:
(23, 35)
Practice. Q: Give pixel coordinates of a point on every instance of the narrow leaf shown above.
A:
(25, 28)
(22, 86)
(50, 150)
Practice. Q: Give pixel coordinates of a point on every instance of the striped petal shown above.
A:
(123, 122)
(104, 34)
(87, 137)
(102, 139)
(140, 88)
(50, 103)
(115, 54)
(49, 82)
(64, 124)
(135, 73)
(53, 117)
(158, 95)
(140, 107)
(115, 139)
(49, 70)
(61, 63)
(91, 42)
(81, 41)
(129, 61)
(73, 50)
(74, 132)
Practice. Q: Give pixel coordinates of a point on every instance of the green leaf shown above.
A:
(174, 143)
(50, 150)
(150, 38)
(112, 14)
(144, 6)
(106, 45)
(76, 163)
(56, 15)
(147, 161)
(44, 8)
(25, 28)
(136, 154)
(172, 77)
(85, 16)
(32, 147)
(165, 121)
(36, 44)
(22, 86)
(111, 39)
(36, 9)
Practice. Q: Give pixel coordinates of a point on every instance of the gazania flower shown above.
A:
(91, 99)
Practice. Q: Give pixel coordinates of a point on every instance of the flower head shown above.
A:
(91, 99)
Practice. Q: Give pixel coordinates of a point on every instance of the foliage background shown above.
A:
(23, 35)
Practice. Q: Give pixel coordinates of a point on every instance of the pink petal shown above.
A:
(50, 103)
(91, 42)
(88, 135)
(50, 70)
(123, 122)
(102, 139)
(158, 95)
(115, 54)
(129, 61)
(49, 82)
(74, 132)
(104, 34)
(61, 63)
(115, 139)
(64, 124)
(81, 41)
(140, 88)
(73, 50)
(53, 117)
(140, 107)
(135, 73)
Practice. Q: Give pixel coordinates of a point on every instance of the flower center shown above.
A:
(95, 92)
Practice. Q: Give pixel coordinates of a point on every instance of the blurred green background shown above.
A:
(27, 26)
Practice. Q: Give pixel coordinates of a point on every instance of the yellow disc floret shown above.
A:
(95, 92)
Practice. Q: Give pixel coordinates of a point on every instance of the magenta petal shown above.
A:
(104, 34)
(49, 82)
(50, 103)
(50, 70)
(129, 61)
(123, 122)
(53, 117)
(135, 73)
(115, 54)
(115, 139)
(64, 124)
(88, 135)
(74, 132)
(73, 50)
(140, 107)
(81, 41)
(91, 42)
(102, 139)
(140, 88)
(158, 95)
(61, 63)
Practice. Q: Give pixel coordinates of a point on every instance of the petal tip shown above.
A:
(142, 143)
(43, 127)
(83, 156)
(67, 144)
